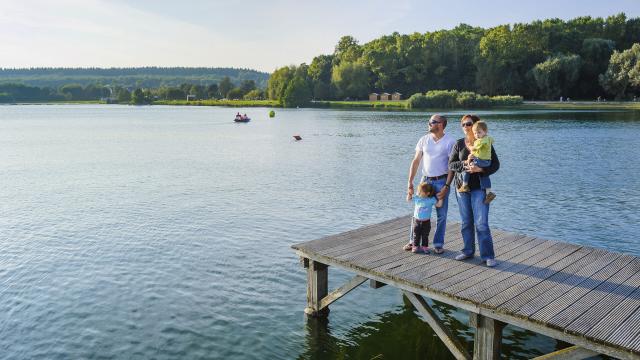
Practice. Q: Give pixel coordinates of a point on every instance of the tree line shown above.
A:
(582, 58)
(142, 77)
(247, 90)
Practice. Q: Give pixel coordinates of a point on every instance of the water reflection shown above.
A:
(402, 334)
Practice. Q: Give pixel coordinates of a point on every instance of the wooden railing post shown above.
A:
(488, 337)
(317, 288)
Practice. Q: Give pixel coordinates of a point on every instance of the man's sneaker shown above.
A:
(490, 196)
(461, 257)
(407, 247)
(425, 249)
(491, 262)
(438, 250)
(463, 188)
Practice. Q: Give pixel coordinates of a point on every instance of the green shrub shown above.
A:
(455, 99)
(467, 99)
(417, 101)
(442, 98)
(483, 101)
(506, 100)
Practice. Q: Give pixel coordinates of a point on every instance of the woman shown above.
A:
(474, 212)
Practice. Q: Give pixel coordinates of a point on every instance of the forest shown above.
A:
(582, 58)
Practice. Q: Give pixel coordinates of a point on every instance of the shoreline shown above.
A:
(372, 105)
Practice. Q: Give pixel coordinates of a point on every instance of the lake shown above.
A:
(162, 232)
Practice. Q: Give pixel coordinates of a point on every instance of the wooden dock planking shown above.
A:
(532, 300)
(469, 277)
(464, 283)
(486, 288)
(521, 282)
(363, 233)
(564, 295)
(583, 304)
(503, 241)
(591, 295)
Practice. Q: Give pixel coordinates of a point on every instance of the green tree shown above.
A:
(320, 74)
(255, 94)
(199, 91)
(557, 75)
(138, 97)
(347, 49)
(225, 86)
(595, 54)
(72, 91)
(351, 80)
(235, 94)
(278, 82)
(623, 73)
(297, 93)
(123, 95)
(213, 92)
(94, 92)
(173, 93)
(247, 85)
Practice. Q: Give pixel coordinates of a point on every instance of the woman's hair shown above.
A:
(474, 118)
(426, 190)
(480, 124)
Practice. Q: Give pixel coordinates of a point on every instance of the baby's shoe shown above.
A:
(464, 188)
(490, 196)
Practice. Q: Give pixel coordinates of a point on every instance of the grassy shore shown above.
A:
(391, 105)
(581, 105)
(232, 103)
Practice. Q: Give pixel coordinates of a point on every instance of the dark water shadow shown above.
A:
(402, 334)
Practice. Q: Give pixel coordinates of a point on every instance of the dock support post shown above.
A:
(488, 337)
(317, 288)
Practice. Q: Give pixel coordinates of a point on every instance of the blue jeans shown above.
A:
(441, 213)
(485, 182)
(474, 214)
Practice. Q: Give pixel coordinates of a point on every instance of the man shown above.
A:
(433, 151)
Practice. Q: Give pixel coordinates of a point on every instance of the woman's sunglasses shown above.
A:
(465, 124)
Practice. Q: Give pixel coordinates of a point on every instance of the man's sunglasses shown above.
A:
(465, 124)
(434, 122)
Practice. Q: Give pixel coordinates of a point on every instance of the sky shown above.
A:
(261, 35)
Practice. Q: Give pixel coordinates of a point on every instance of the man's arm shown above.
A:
(415, 163)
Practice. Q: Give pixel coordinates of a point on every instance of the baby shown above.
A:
(481, 157)
(424, 202)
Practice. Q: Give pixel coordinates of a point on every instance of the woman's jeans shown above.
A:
(441, 213)
(474, 214)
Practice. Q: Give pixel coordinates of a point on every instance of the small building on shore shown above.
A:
(374, 97)
(396, 96)
(385, 96)
(191, 97)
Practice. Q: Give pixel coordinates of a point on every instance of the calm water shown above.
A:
(165, 232)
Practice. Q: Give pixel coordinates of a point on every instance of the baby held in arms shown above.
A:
(480, 156)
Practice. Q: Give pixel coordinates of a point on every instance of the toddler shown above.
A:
(481, 157)
(424, 201)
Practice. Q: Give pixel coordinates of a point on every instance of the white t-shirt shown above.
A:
(435, 154)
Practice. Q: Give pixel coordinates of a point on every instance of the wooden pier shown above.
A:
(581, 295)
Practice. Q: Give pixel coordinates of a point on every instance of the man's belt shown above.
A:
(437, 177)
